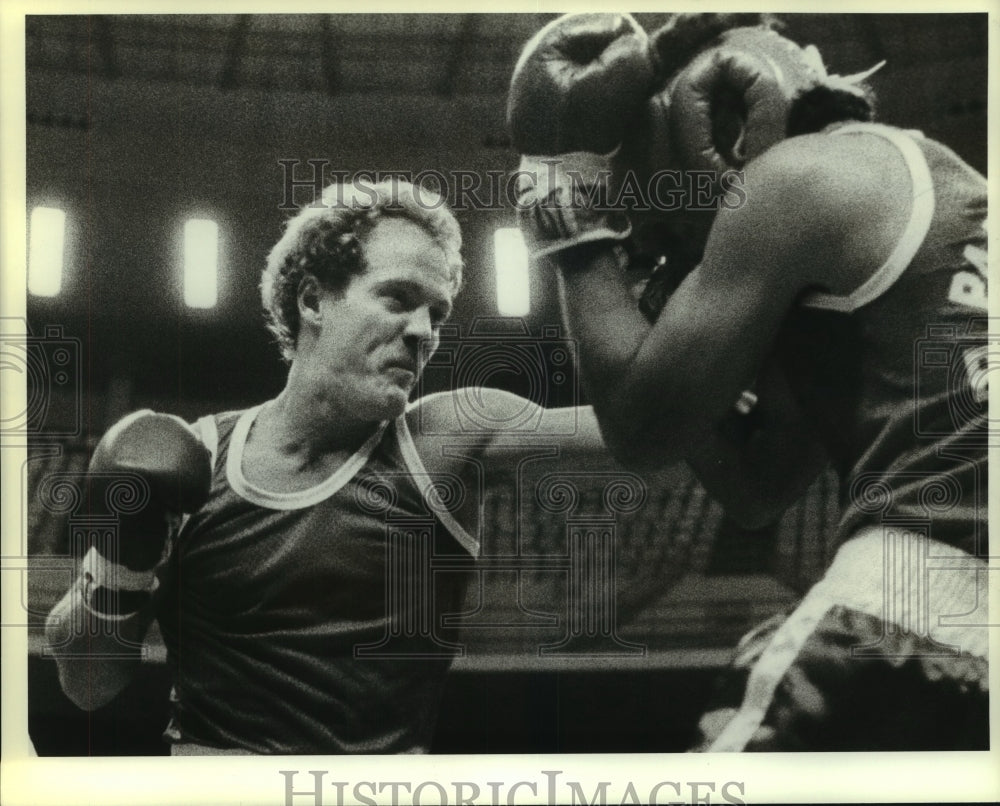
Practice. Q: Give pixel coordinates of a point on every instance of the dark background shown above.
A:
(135, 123)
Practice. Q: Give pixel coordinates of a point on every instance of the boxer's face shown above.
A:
(376, 336)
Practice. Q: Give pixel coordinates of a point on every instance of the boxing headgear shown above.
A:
(752, 71)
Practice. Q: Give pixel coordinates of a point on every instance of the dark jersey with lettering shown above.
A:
(895, 374)
(308, 622)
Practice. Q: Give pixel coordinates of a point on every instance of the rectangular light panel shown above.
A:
(46, 250)
(201, 263)
(511, 260)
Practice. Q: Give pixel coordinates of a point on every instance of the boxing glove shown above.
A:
(147, 471)
(575, 87)
(727, 85)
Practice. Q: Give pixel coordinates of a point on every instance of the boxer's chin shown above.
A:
(385, 399)
(394, 402)
(399, 395)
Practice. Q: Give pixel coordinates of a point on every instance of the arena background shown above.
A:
(135, 123)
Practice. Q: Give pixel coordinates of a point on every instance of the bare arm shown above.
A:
(756, 469)
(759, 467)
(662, 390)
(486, 418)
(658, 408)
(572, 450)
(97, 629)
(677, 378)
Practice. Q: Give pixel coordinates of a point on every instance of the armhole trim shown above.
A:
(206, 429)
(415, 465)
(207, 432)
(922, 196)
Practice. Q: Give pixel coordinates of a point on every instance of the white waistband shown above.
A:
(912, 583)
(916, 583)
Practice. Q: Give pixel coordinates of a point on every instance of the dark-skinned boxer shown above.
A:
(846, 286)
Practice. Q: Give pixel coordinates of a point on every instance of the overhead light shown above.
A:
(513, 280)
(46, 250)
(201, 263)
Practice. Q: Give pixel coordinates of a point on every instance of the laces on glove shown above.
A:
(566, 200)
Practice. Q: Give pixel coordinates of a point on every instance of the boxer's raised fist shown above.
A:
(162, 449)
(147, 470)
(575, 89)
(577, 83)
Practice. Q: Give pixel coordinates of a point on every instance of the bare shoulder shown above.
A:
(471, 412)
(463, 422)
(833, 206)
(471, 421)
(828, 171)
(432, 414)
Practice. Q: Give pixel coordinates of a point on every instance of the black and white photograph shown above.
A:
(497, 405)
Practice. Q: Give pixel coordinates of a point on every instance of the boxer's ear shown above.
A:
(309, 294)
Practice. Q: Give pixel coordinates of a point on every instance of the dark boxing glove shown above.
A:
(730, 101)
(575, 88)
(148, 470)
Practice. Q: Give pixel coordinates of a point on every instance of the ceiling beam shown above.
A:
(229, 76)
(329, 63)
(105, 41)
(461, 46)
